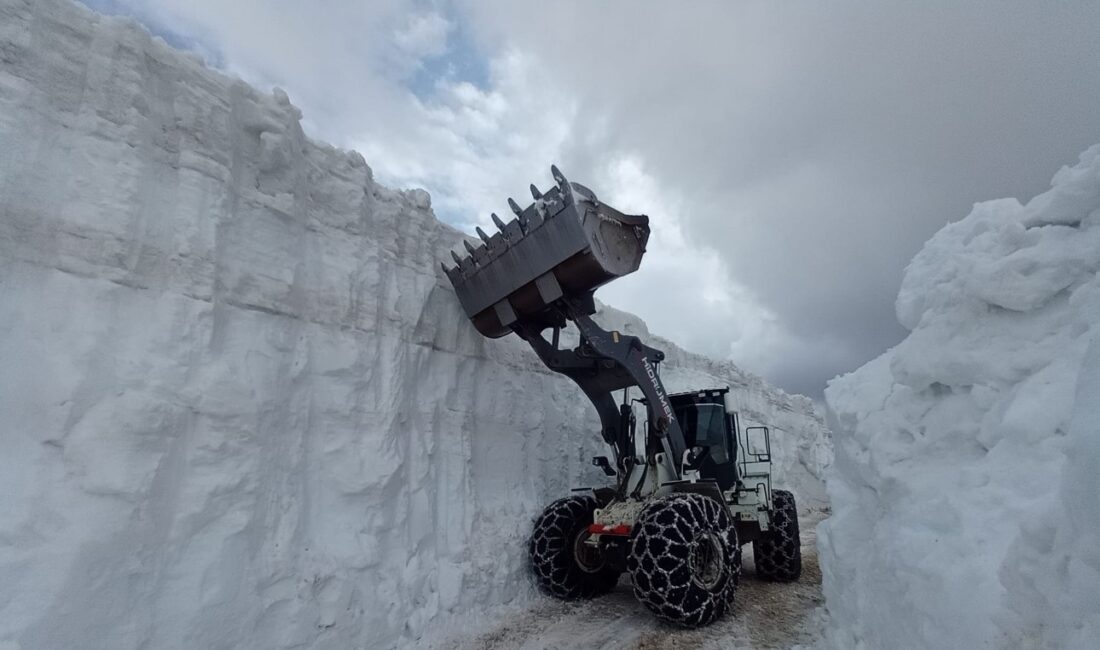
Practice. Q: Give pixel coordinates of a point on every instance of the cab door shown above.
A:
(707, 425)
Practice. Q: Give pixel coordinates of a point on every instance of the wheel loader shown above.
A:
(690, 486)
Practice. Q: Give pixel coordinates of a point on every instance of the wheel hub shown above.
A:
(588, 557)
(706, 561)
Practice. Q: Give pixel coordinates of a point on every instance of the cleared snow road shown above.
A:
(766, 615)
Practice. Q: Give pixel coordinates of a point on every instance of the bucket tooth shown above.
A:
(481, 233)
(515, 207)
(457, 259)
(469, 248)
(559, 178)
(510, 233)
(535, 193)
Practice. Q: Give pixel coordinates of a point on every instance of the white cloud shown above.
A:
(474, 147)
(423, 35)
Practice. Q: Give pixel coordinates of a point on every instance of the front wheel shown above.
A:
(684, 559)
(778, 552)
(564, 565)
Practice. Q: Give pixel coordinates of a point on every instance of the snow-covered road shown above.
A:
(766, 615)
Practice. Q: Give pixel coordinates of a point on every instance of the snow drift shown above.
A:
(968, 457)
(239, 403)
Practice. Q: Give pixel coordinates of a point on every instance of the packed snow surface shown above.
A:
(240, 406)
(765, 615)
(966, 487)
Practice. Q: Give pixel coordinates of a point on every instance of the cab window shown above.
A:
(705, 425)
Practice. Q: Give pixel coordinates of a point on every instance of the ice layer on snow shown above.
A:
(966, 486)
(240, 406)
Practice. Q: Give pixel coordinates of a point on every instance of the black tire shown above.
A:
(778, 552)
(684, 559)
(559, 530)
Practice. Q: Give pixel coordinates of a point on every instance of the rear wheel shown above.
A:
(684, 559)
(564, 565)
(778, 552)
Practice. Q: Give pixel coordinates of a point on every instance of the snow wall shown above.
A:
(240, 406)
(966, 487)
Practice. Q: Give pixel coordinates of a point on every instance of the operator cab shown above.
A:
(705, 423)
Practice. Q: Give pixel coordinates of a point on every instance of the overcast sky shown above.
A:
(792, 156)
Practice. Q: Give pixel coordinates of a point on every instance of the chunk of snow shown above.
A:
(965, 479)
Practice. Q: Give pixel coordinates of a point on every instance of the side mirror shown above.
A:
(602, 463)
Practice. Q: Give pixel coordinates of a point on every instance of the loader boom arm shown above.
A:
(539, 272)
(604, 362)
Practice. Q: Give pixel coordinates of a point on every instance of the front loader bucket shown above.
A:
(565, 244)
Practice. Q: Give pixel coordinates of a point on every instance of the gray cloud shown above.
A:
(793, 156)
(819, 144)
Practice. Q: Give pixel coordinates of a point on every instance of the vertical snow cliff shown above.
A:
(239, 405)
(967, 471)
